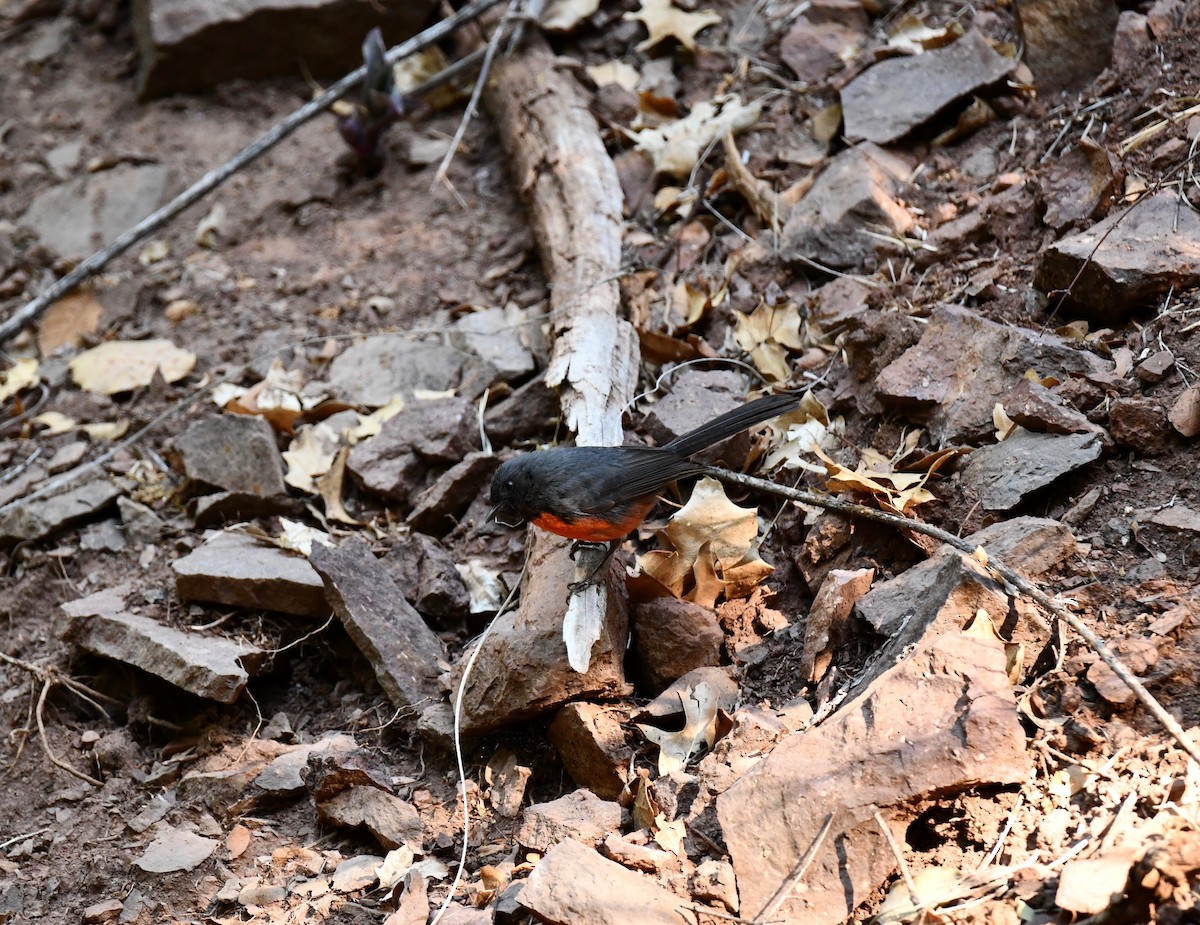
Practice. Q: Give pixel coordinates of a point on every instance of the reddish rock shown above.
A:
(392, 821)
(1034, 407)
(670, 638)
(826, 626)
(232, 452)
(824, 38)
(1080, 185)
(1155, 367)
(1067, 42)
(1131, 42)
(1140, 424)
(580, 816)
(591, 743)
(426, 573)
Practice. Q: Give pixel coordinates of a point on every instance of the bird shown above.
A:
(598, 495)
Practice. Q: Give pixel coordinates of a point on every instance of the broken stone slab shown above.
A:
(284, 775)
(404, 653)
(696, 397)
(827, 625)
(591, 743)
(573, 885)
(139, 522)
(895, 96)
(498, 336)
(580, 815)
(175, 849)
(1080, 185)
(373, 371)
(435, 508)
(530, 410)
(188, 46)
(1006, 474)
(232, 452)
(1177, 517)
(1039, 409)
(938, 721)
(1067, 42)
(427, 575)
(1030, 546)
(222, 777)
(950, 380)
(1126, 262)
(224, 507)
(857, 190)
(523, 671)
(79, 217)
(1139, 424)
(241, 571)
(331, 771)
(33, 520)
(208, 666)
(824, 38)
(439, 430)
(392, 821)
(670, 638)
(1185, 412)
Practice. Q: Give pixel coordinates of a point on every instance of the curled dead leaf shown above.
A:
(124, 365)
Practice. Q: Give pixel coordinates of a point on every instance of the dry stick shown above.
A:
(31, 311)
(898, 854)
(1097, 645)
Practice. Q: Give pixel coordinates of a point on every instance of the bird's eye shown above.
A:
(509, 484)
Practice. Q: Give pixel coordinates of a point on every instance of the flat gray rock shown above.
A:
(1067, 42)
(36, 519)
(175, 849)
(895, 96)
(372, 371)
(390, 819)
(234, 453)
(81, 216)
(237, 569)
(499, 337)
(1006, 473)
(188, 46)
(1126, 262)
(855, 192)
(403, 651)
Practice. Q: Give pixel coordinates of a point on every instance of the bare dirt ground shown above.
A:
(307, 257)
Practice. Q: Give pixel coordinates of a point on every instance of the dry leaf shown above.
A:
(1002, 422)
(934, 886)
(710, 517)
(68, 320)
(55, 423)
(912, 37)
(700, 708)
(210, 226)
(892, 491)
(330, 486)
(677, 146)
(396, 864)
(614, 72)
(370, 424)
(663, 20)
(670, 834)
(1185, 412)
(276, 398)
(645, 808)
(20, 376)
(767, 334)
(123, 365)
(154, 252)
(565, 15)
(105, 430)
(298, 537)
(309, 456)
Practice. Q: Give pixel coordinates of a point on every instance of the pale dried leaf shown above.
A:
(55, 423)
(614, 72)
(20, 376)
(396, 864)
(309, 456)
(676, 147)
(700, 709)
(663, 20)
(123, 365)
(105, 430)
(68, 320)
(299, 537)
(566, 15)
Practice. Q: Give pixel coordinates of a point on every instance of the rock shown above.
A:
(232, 452)
(284, 775)
(580, 816)
(1185, 412)
(426, 574)
(1155, 367)
(431, 431)
(1006, 474)
(824, 38)
(573, 885)
(371, 372)
(508, 779)
(951, 378)
(636, 856)
(523, 671)
(1029, 545)
(435, 509)
(591, 743)
(827, 626)
(105, 536)
(403, 651)
(330, 771)
(856, 190)
(175, 849)
(188, 46)
(895, 96)
(104, 911)
(1067, 42)
(1035, 407)
(81, 216)
(531, 410)
(1088, 886)
(357, 873)
(1080, 185)
(838, 302)
(1140, 424)
(50, 41)
(223, 507)
(508, 909)
(696, 397)
(237, 569)
(714, 881)
(952, 687)
(67, 456)
(499, 336)
(670, 638)
(208, 666)
(33, 520)
(139, 522)
(260, 894)
(1126, 262)
(392, 821)
(1132, 44)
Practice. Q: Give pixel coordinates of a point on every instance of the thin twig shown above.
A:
(899, 855)
(999, 569)
(32, 310)
(47, 685)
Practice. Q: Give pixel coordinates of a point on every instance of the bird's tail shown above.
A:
(732, 422)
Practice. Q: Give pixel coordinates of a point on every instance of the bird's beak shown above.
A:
(502, 509)
(492, 514)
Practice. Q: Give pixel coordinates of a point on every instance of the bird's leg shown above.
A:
(577, 586)
(577, 546)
